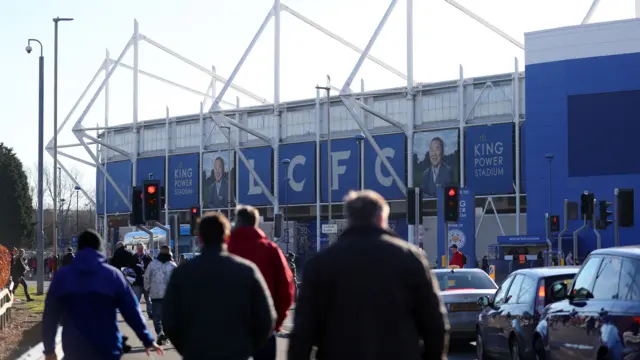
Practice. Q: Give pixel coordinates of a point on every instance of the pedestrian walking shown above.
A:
(68, 257)
(84, 298)
(121, 257)
(139, 263)
(18, 270)
(156, 279)
(249, 242)
(457, 258)
(217, 305)
(370, 295)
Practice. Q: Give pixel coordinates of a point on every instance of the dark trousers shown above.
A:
(17, 282)
(268, 352)
(156, 304)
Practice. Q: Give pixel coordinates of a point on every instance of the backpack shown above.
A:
(464, 259)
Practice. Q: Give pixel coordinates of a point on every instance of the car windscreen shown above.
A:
(464, 280)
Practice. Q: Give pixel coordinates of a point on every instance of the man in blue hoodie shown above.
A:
(84, 298)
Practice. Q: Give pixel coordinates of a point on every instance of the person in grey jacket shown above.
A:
(156, 279)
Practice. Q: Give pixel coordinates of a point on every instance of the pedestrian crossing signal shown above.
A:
(151, 200)
(554, 221)
(194, 221)
(451, 204)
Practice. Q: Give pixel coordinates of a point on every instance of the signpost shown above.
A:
(329, 228)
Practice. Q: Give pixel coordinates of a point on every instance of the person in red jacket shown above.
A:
(250, 243)
(456, 258)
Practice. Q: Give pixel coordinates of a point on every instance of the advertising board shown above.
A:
(249, 191)
(183, 183)
(376, 175)
(489, 160)
(436, 160)
(298, 185)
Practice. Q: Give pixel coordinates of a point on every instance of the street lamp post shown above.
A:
(286, 163)
(549, 157)
(359, 139)
(55, 130)
(40, 190)
(77, 189)
(228, 128)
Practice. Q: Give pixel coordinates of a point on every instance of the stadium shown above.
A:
(275, 156)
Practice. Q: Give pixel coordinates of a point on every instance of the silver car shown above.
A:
(460, 290)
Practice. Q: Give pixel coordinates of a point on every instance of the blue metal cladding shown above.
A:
(376, 175)
(184, 182)
(297, 182)
(489, 159)
(99, 192)
(549, 87)
(523, 158)
(151, 165)
(249, 192)
(120, 172)
(345, 168)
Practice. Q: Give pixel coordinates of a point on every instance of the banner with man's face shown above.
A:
(436, 160)
(219, 179)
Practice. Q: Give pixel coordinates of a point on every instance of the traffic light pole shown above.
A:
(547, 229)
(565, 228)
(595, 228)
(446, 245)
(616, 217)
(418, 199)
(575, 236)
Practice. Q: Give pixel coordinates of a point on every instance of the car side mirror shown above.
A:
(559, 291)
(484, 301)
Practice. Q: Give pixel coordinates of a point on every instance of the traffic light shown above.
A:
(136, 207)
(414, 193)
(151, 200)
(554, 223)
(451, 203)
(605, 213)
(625, 207)
(586, 205)
(194, 219)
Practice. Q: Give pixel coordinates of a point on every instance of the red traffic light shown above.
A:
(151, 189)
(452, 192)
(194, 210)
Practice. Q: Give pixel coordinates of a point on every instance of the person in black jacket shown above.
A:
(121, 257)
(18, 269)
(217, 305)
(142, 261)
(68, 257)
(370, 295)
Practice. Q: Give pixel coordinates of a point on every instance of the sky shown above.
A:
(217, 32)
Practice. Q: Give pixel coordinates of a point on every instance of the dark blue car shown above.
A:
(506, 326)
(599, 315)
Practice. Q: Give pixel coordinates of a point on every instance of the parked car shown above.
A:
(599, 314)
(506, 326)
(460, 289)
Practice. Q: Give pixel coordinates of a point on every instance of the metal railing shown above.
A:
(6, 302)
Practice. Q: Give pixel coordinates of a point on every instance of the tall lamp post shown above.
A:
(55, 130)
(40, 211)
(549, 157)
(286, 163)
(359, 139)
(77, 189)
(228, 128)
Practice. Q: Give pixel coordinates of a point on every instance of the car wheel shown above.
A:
(515, 349)
(538, 347)
(480, 352)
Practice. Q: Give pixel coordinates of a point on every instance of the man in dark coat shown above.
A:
(68, 257)
(121, 257)
(19, 268)
(369, 296)
(217, 305)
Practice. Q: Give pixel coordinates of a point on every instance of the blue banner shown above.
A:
(489, 160)
(298, 181)
(100, 193)
(249, 191)
(153, 166)
(183, 182)
(462, 233)
(345, 169)
(376, 175)
(120, 172)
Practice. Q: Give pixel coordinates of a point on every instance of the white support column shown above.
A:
(318, 176)
(276, 107)
(411, 116)
(166, 172)
(201, 150)
(237, 143)
(461, 125)
(516, 121)
(592, 10)
(637, 9)
(105, 227)
(136, 68)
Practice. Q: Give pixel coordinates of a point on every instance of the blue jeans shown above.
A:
(139, 291)
(157, 319)
(268, 351)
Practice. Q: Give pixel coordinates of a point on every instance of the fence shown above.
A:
(6, 302)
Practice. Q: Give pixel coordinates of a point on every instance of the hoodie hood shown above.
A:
(88, 260)
(163, 258)
(248, 233)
